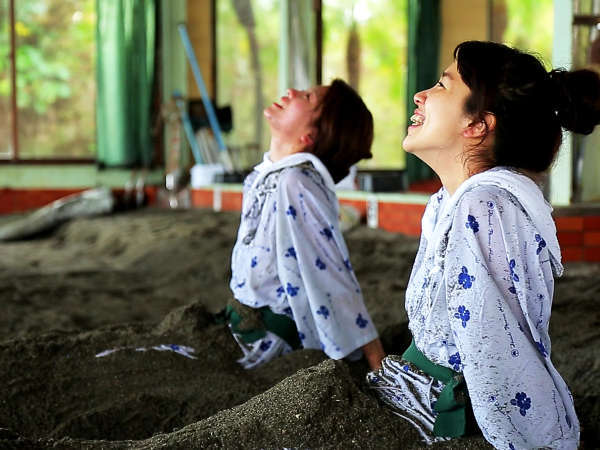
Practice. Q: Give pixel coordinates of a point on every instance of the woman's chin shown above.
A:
(407, 145)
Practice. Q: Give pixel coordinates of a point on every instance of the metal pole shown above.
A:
(13, 81)
(210, 112)
(318, 6)
(284, 48)
(187, 127)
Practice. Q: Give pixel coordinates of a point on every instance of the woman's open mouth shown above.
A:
(417, 120)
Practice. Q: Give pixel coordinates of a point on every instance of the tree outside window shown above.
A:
(55, 79)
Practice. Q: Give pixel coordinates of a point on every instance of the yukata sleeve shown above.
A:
(314, 267)
(491, 259)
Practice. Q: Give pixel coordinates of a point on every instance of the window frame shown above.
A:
(14, 111)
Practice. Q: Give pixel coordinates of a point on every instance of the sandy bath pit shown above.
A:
(133, 281)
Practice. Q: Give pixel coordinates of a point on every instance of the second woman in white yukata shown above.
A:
(480, 293)
(292, 279)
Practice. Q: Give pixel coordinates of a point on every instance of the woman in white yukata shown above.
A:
(292, 280)
(480, 292)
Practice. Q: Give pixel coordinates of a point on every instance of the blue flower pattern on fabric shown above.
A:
(541, 244)
(454, 361)
(511, 446)
(513, 276)
(472, 223)
(327, 233)
(463, 314)
(361, 321)
(541, 349)
(347, 264)
(323, 311)
(291, 211)
(465, 279)
(511, 266)
(295, 259)
(292, 290)
(522, 402)
(374, 379)
(265, 345)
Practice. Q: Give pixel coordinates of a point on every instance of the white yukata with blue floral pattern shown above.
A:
(479, 301)
(290, 256)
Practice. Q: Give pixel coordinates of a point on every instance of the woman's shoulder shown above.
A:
(490, 200)
(479, 192)
(303, 175)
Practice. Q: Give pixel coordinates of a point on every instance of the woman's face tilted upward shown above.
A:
(439, 121)
(291, 119)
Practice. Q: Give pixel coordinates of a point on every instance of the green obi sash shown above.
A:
(252, 324)
(451, 405)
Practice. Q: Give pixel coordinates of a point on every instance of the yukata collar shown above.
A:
(525, 190)
(267, 166)
(264, 164)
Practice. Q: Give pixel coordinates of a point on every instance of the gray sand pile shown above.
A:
(140, 280)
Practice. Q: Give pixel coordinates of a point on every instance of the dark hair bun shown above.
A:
(576, 99)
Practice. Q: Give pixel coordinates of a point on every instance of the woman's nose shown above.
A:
(420, 97)
(292, 93)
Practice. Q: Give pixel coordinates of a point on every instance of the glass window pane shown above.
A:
(380, 44)
(55, 78)
(237, 80)
(525, 24)
(5, 84)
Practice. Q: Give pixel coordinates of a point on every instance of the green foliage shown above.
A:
(383, 31)
(236, 77)
(55, 48)
(382, 26)
(530, 25)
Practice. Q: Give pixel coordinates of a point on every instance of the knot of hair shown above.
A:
(576, 98)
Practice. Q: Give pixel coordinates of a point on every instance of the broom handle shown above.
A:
(212, 117)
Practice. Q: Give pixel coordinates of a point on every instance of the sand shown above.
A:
(153, 277)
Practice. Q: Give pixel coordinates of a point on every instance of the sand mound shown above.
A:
(140, 289)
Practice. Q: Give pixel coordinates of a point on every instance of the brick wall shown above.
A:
(578, 228)
(579, 235)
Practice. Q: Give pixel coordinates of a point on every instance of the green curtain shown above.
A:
(125, 38)
(423, 71)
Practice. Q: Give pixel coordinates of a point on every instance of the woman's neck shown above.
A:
(280, 148)
(452, 179)
(449, 166)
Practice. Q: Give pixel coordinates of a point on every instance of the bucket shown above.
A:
(204, 174)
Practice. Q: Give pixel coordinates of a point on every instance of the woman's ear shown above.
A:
(306, 140)
(481, 128)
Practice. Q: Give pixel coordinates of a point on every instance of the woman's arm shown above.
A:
(374, 353)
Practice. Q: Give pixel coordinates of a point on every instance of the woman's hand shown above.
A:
(374, 353)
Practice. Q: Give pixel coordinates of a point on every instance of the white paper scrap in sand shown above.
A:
(107, 352)
(181, 349)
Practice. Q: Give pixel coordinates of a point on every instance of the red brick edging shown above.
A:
(578, 228)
